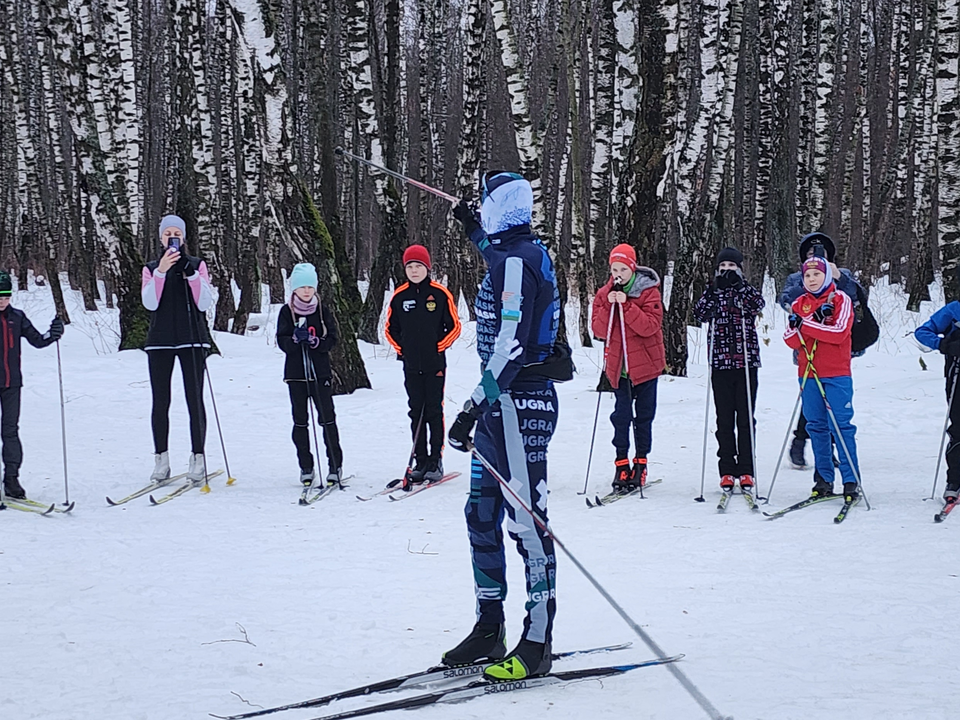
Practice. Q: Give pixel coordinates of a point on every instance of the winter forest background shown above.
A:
(679, 126)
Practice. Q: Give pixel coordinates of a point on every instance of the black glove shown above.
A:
(462, 428)
(729, 279)
(56, 329)
(950, 344)
(795, 321)
(301, 334)
(464, 213)
(823, 312)
(182, 265)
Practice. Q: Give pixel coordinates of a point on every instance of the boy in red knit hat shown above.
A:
(628, 318)
(820, 328)
(422, 322)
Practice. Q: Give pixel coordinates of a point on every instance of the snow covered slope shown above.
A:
(132, 612)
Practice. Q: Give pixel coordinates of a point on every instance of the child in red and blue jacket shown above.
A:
(820, 327)
(942, 332)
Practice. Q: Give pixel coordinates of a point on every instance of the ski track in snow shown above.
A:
(107, 611)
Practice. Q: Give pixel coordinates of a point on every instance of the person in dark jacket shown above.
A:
(942, 332)
(422, 323)
(307, 332)
(731, 305)
(176, 290)
(821, 245)
(15, 325)
(515, 410)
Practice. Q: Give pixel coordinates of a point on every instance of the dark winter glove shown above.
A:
(950, 345)
(462, 428)
(56, 329)
(464, 213)
(795, 321)
(301, 334)
(823, 312)
(729, 279)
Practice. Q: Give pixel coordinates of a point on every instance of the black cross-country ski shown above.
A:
(802, 504)
(433, 676)
(847, 504)
(146, 490)
(947, 509)
(186, 487)
(402, 494)
(613, 497)
(481, 688)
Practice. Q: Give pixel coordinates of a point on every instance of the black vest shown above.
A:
(177, 322)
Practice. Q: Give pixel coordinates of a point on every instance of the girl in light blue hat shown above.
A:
(307, 332)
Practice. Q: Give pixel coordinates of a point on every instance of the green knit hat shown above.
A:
(6, 284)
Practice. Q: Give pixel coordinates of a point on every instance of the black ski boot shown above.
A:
(434, 471)
(850, 492)
(12, 488)
(796, 453)
(528, 659)
(639, 476)
(951, 493)
(821, 487)
(485, 642)
(622, 476)
(414, 475)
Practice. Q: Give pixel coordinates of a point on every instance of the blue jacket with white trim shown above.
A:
(518, 309)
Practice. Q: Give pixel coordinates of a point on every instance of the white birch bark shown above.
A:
(528, 142)
(948, 151)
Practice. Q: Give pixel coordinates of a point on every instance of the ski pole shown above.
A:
(413, 453)
(216, 416)
(593, 438)
(626, 368)
(63, 429)
(313, 423)
(706, 411)
(398, 176)
(836, 425)
(946, 423)
(749, 386)
(648, 640)
(786, 437)
(596, 415)
(198, 382)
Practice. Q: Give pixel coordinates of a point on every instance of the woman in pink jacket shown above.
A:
(628, 317)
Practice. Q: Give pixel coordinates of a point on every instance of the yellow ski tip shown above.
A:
(231, 481)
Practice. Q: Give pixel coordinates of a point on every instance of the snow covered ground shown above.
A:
(132, 612)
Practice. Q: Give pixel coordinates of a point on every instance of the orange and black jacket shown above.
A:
(422, 323)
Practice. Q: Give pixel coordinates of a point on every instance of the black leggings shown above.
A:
(322, 393)
(192, 366)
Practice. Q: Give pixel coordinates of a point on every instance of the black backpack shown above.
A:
(866, 329)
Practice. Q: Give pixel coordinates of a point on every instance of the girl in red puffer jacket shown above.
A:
(628, 313)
